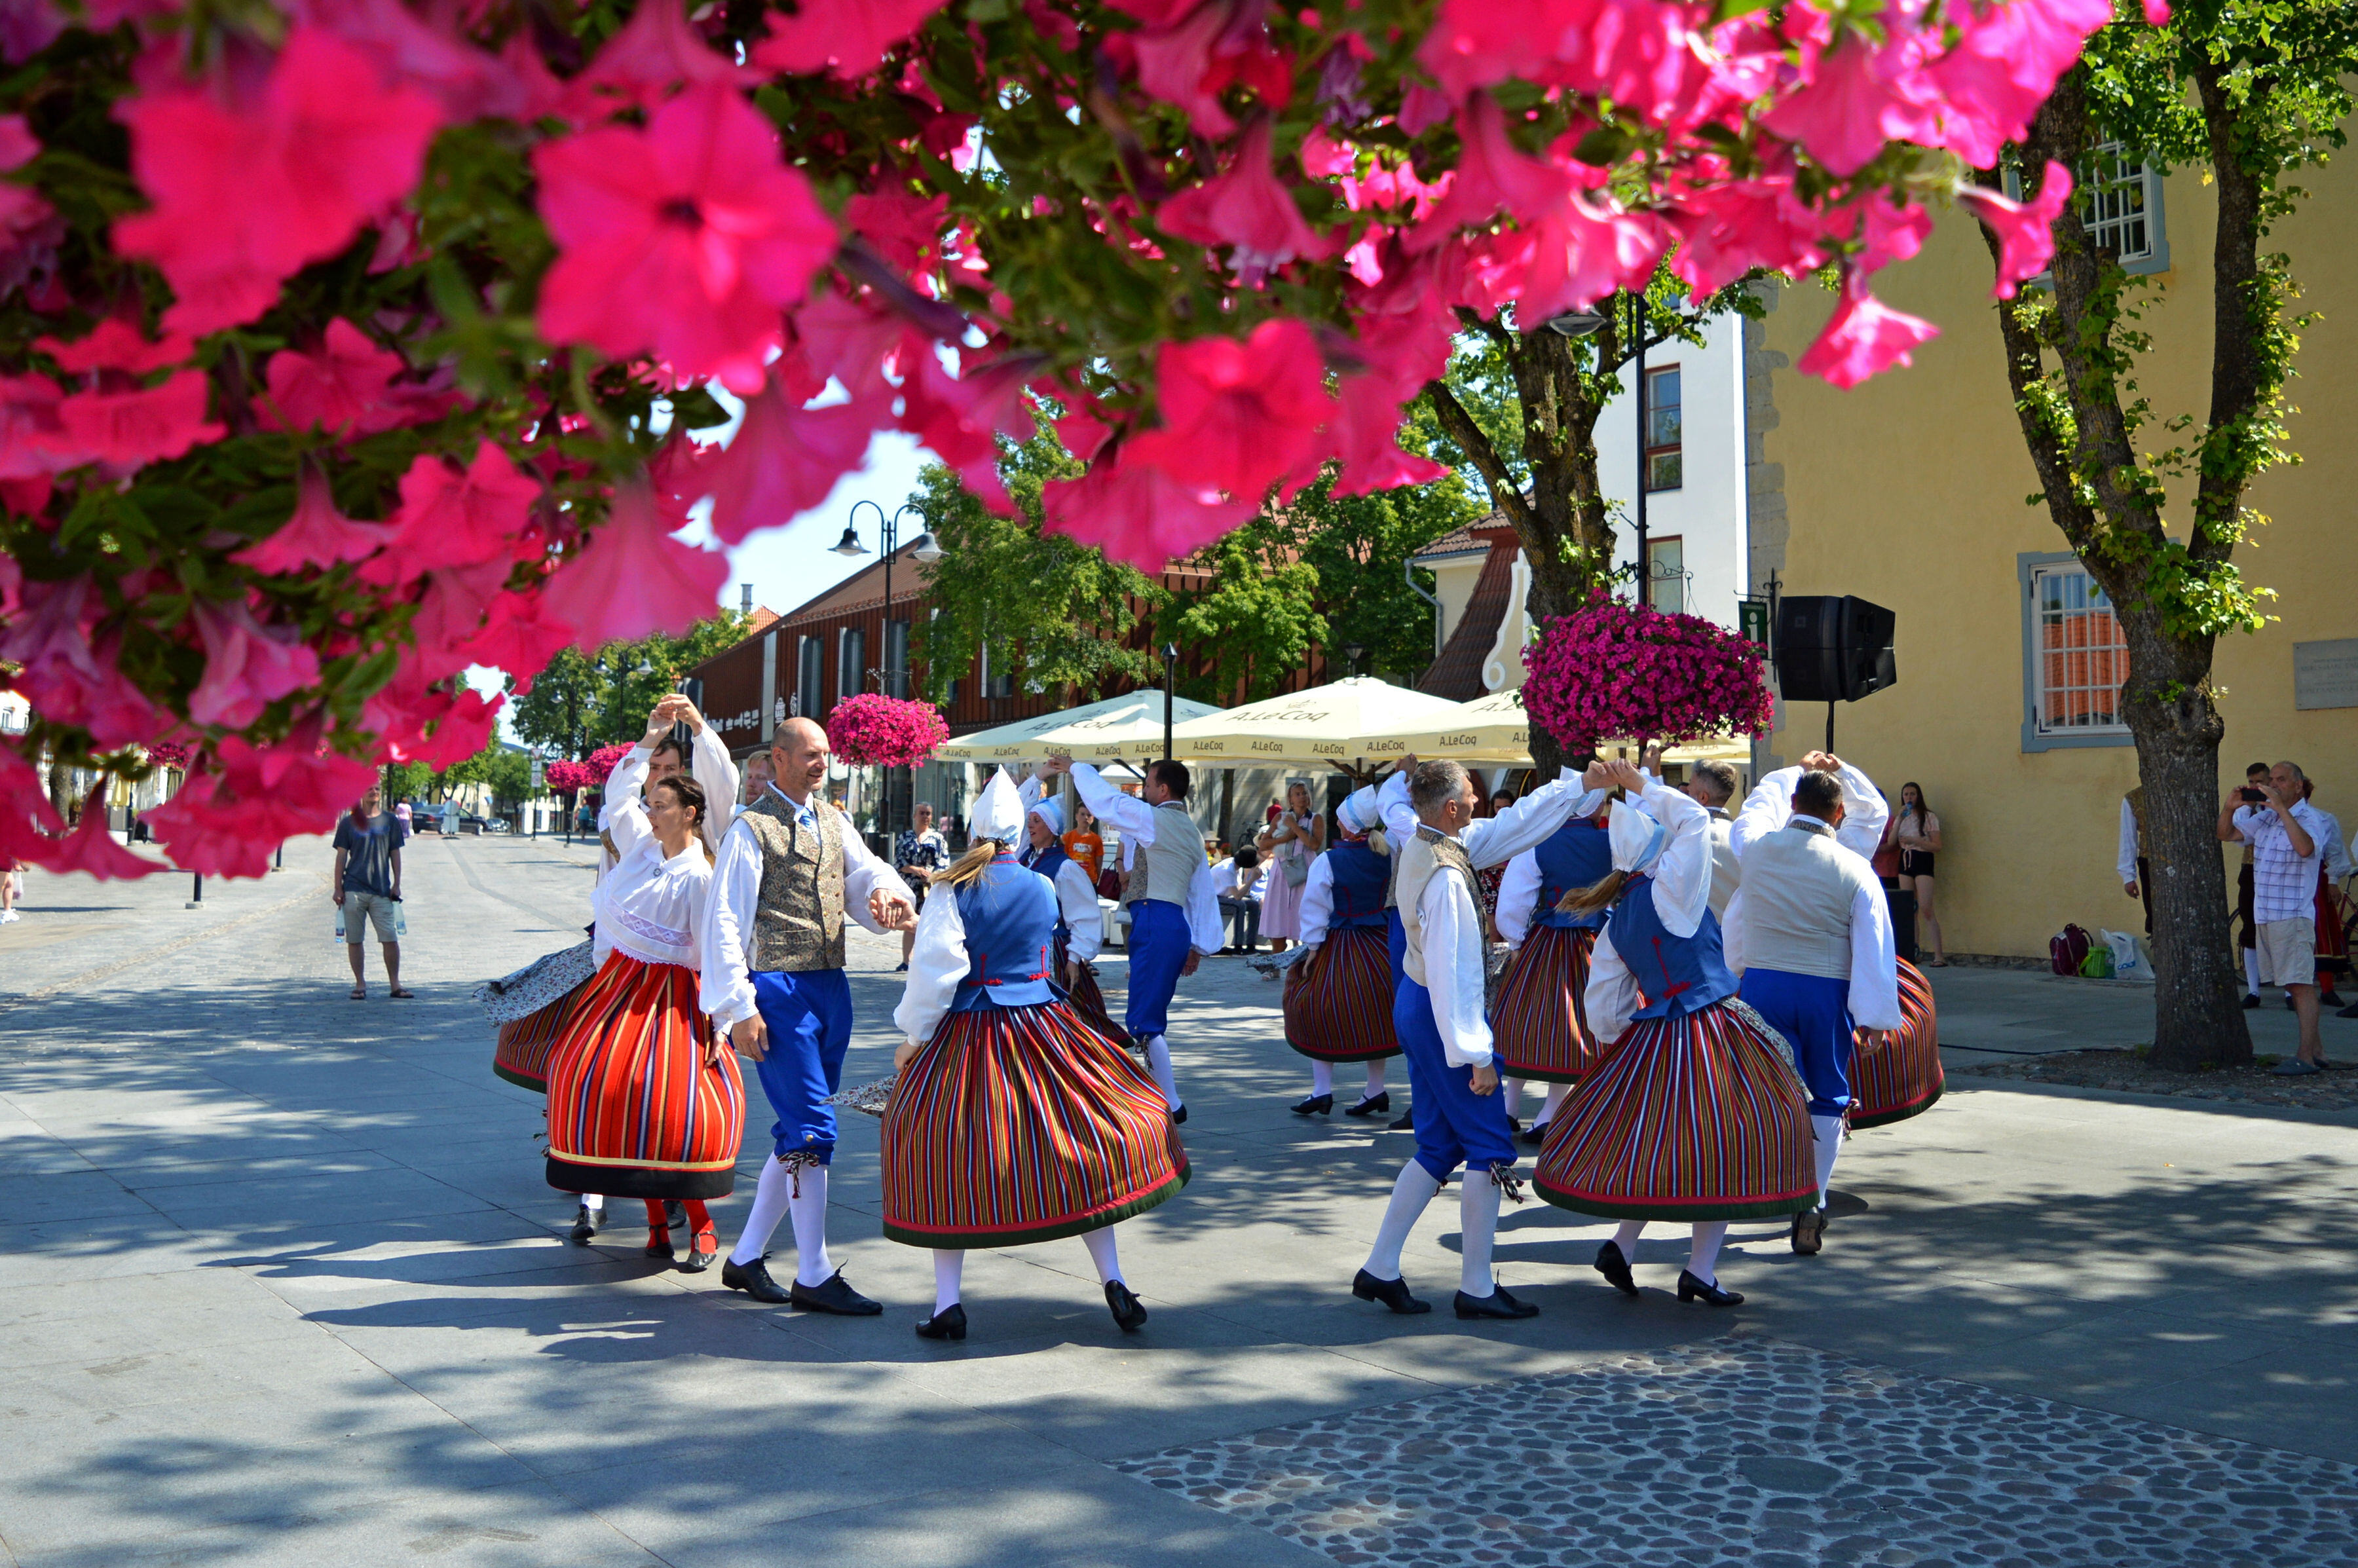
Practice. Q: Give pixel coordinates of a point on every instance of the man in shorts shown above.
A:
(368, 887)
(2287, 836)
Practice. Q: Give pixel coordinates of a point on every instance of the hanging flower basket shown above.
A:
(875, 731)
(1617, 669)
(567, 778)
(602, 762)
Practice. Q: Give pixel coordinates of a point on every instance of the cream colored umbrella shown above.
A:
(1118, 730)
(1348, 723)
(1496, 730)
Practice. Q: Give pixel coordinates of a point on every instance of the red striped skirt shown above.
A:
(1540, 1025)
(1903, 1078)
(1338, 1002)
(1088, 1000)
(1689, 1119)
(2332, 930)
(1020, 1124)
(521, 1055)
(635, 1110)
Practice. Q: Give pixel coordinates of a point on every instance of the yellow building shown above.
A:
(1908, 491)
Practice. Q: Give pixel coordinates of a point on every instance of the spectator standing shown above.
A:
(918, 853)
(2255, 780)
(1083, 844)
(401, 814)
(367, 888)
(1239, 881)
(1917, 831)
(1293, 838)
(2287, 835)
(2136, 871)
(2332, 931)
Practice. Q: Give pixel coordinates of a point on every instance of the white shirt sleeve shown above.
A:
(1203, 923)
(1865, 813)
(1454, 969)
(715, 775)
(1874, 964)
(1317, 905)
(1076, 898)
(2248, 821)
(1518, 897)
(699, 916)
(2128, 856)
(726, 991)
(863, 874)
(1682, 872)
(1132, 816)
(2337, 852)
(623, 818)
(1392, 808)
(1494, 840)
(1612, 995)
(1766, 809)
(1731, 934)
(937, 962)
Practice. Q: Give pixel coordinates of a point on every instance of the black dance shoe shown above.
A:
(2350, 1011)
(1370, 1106)
(659, 1242)
(699, 1257)
(1497, 1304)
(1694, 1290)
(585, 1223)
(1537, 1135)
(2251, 1000)
(1316, 1105)
(1616, 1268)
(947, 1323)
(1810, 1232)
(1393, 1294)
(1128, 1312)
(754, 1279)
(1179, 1116)
(834, 1294)
(1407, 1121)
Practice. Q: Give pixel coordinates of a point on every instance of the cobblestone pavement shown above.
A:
(282, 1282)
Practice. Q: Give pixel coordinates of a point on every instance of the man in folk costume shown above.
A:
(1080, 929)
(1712, 785)
(789, 871)
(1816, 934)
(1174, 916)
(1338, 1000)
(1437, 1017)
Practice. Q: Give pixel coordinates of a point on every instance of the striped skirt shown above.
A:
(1020, 1124)
(1540, 1026)
(1691, 1118)
(1338, 1002)
(1903, 1078)
(522, 1056)
(635, 1110)
(1088, 1000)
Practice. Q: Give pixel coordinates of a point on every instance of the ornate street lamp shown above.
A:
(925, 549)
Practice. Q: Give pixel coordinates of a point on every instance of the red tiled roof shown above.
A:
(1457, 673)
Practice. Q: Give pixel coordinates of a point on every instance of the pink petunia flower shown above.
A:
(1138, 513)
(248, 666)
(1237, 416)
(784, 459)
(317, 536)
(125, 431)
(344, 389)
(1863, 338)
(633, 578)
(2026, 231)
(450, 519)
(1248, 208)
(843, 37)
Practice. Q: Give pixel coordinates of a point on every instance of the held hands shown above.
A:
(665, 714)
(1620, 770)
(1057, 762)
(891, 914)
(749, 1038)
(1486, 1080)
(1821, 762)
(1595, 776)
(904, 1053)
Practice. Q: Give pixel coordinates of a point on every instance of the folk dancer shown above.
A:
(1080, 929)
(1174, 917)
(1692, 1115)
(790, 870)
(1820, 962)
(642, 1100)
(1437, 1018)
(1540, 1024)
(1338, 1000)
(1712, 785)
(1013, 1121)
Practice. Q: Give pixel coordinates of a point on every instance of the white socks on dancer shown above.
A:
(1703, 1257)
(1829, 1132)
(1375, 1080)
(1510, 1097)
(1477, 1228)
(1557, 1094)
(1321, 1078)
(2252, 970)
(808, 1209)
(949, 1267)
(594, 1202)
(1626, 1236)
(1158, 1061)
(1104, 1254)
(1410, 1195)
(769, 1207)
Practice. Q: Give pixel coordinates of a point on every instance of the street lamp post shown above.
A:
(1351, 654)
(1638, 390)
(926, 550)
(1170, 690)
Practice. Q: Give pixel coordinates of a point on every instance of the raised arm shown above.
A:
(1076, 898)
(1132, 816)
(1682, 873)
(624, 818)
(1769, 808)
(1392, 808)
(715, 775)
(1865, 813)
(1494, 840)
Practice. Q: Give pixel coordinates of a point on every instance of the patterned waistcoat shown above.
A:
(1427, 856)
(798, 915)
(1165, 868)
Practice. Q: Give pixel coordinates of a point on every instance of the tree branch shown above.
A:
(1459, 427)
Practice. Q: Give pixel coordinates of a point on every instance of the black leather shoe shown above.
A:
(1407, 1120)
(1179, 1116)
(1537, 1135)
(1497, 1304)
(1810, 1232)
(1393, 1294)
(1128, 1312)
(1369, 1107)
(2350, 1011)
(585, 1223)
(834, 1294)
(1316, 1105)
(1616, 1268)
(1694, 1290)
(659, 1243)
(947, 1323)
(697, 1260)
(2251, 1000)
(754, 1279)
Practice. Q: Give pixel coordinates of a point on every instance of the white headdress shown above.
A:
(1358, 811)
(1637, 839)
(997, 811)
(1051, 812)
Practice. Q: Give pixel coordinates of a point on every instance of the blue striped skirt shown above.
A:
(1538, 1026)
(1338, 1002)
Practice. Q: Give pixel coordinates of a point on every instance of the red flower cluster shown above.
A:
(601, 761)
(567, 778)
(1620, 670)
(876, 731)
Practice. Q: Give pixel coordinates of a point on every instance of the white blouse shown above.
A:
(655, 909)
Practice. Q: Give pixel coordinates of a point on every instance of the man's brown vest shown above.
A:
(798, 914)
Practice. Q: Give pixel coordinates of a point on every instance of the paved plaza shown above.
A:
(281, 1282)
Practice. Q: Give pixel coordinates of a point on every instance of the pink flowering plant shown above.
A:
(565, 777)
(876, 731)
(347, 344)
(1617, 669)
(600, 764)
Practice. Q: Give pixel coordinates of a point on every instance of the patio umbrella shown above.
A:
(1345, 723)
(1495, 729)
(1118, 730)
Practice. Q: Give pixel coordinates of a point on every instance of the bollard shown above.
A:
(197, 897)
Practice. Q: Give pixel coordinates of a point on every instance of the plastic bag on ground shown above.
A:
(2129, 962)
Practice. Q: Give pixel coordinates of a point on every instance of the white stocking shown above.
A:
(1703, 1256)
(1158, 1061)
(1626, 1236)
(762, 1221)
(949, 1267)
(1556, 1096)
(1410, 1195)
(1321, 1078)
(2252, 970)
(1103, 1253)
(595, 1202)
(1829, 1132)
(808, 1209)
(1510, 1095)
(1477, 1229)
(1375, 1078)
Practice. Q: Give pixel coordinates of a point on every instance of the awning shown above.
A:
(1120, 728)
(1496, 730)
(1347, 723)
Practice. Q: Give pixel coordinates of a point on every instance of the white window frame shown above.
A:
(2148, 182)
(2035, 570)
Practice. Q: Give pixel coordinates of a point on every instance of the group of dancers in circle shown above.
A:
(1017, 1112)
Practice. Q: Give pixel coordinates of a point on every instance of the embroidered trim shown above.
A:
(647, 928)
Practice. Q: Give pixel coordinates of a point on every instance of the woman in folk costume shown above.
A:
(643, 1101)
(1080, 929)
(1539, 1025)
(1338, 1000)
(1012, 1119)
(1693, 1114)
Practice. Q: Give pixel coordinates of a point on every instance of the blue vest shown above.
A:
(1048, 862)
(1577, 855)
(1679, 974)
(1360, 878)
(1011, 918)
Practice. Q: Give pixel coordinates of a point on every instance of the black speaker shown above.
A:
(1831, 649)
